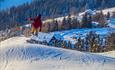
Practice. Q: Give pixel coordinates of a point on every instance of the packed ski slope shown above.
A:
(16, 54)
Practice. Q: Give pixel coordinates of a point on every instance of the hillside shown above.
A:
(48, 9)
(57, 34)
(105, 11)
(16, 54)
(73, 3)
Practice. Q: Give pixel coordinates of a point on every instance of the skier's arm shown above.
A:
(31, 19)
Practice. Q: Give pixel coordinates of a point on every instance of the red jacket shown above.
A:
(37, 22)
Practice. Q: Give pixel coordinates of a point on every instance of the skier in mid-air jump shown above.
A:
(36, 25)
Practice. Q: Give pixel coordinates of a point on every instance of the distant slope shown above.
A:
(16, 54)
(48, 9)
(105, 11)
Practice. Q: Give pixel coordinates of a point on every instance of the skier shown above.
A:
(37, 24)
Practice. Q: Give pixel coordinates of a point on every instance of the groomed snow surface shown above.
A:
(16, 54)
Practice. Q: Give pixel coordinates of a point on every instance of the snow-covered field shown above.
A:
(111, 23)
(69, 34)
(16, 54)
(109, 54)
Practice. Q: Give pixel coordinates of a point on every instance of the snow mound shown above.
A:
(16, 54)
(109, 54)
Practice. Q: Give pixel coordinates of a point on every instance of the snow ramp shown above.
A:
(16, 54)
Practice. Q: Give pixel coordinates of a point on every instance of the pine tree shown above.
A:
(84, 21)
(69, 22)
(49, 27)
(89, 22)
(76, 46)
(69, 45)
(64, 44)
(102, 20)
(56, 25)
(108, 15)
(64, 22)
(75, 23)
(109, 42)
(79, 43)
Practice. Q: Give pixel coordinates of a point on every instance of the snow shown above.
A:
(89, 11)
(58, 19)
(43, 37)
(16, 54)
(93, 12)
(111, 23)
(109, 54)
(105, 11)
(54, 65)
(69, 34)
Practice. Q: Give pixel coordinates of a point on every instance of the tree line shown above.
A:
(93, 42)
(87, 21)
(48, 9)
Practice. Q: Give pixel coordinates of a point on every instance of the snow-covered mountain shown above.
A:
(4, 4)
(16, 54)
(93, 12)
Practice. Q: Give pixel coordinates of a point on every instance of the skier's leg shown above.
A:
(32, 30)
(36, 32)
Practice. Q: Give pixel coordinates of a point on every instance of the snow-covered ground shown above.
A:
(109, 54)
(105, 11)
(111, 23)
(93, 12)
(69, 34)
(16, 54)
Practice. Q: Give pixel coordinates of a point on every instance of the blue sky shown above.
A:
(9, 3)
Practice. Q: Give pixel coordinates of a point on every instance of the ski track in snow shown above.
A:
(39, 56)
